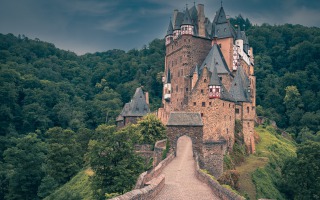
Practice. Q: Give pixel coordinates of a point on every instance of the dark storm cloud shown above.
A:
(98, 25)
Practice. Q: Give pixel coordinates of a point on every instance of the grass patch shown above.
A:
(77, 188)
(261, 172)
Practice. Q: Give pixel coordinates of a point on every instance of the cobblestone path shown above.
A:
(181, 182)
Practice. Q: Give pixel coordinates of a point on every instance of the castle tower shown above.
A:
(187, 27)
(209, 70)
(169, 36)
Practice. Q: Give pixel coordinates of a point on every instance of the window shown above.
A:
(194, 103)
(177, 88)
(187, 89)
(210, 103)
(201, 114)
(205, 80)
(201, 91)
(203, 104)
(237, 110)
(220, 78)
(248, 109)
(248, 124)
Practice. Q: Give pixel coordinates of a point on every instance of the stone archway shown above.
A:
(185, 123)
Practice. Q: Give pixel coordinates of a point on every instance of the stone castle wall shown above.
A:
(218, 116)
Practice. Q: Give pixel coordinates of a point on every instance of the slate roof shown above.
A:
(178, 21)
(215, 59)
(186, 18)
(194, 14)
(239, 86)
(214, 79)
(220, 17)
(184, 119)
(170, 28)
(222, 26)
(137, 107)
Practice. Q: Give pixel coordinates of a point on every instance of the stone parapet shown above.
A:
(146, 193)
(220, 191)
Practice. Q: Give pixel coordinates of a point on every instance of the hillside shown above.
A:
(260, 174)
(54, 102)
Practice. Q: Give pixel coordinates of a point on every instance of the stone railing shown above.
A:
(146, 193)
(147, 176)
(222, 192)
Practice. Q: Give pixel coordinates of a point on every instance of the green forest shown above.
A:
(58, 109)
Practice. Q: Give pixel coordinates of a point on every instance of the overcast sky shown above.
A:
(85, 26)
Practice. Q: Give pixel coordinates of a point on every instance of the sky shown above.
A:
(88, 26)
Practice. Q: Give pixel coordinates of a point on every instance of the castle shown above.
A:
(209, 70)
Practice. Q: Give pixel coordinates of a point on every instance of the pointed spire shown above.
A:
(187, 17)
(220, 17)
(168, 77)
(214, 79)
(170, 28)
(239, 37)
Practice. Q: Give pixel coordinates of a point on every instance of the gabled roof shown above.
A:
(170, 28)
(239, 86)
(184, 119)
(137, 107)
(186, 18)
(215, 59)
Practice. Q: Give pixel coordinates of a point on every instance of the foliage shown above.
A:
(151, 129)
(114, 161)
(23, 167)
(302, 174)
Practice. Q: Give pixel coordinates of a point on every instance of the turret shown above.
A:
(167, 87)
(169, 36)
(187, 26)
(214, 86)
(239, 40)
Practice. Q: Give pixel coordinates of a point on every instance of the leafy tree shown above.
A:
(23, 164)
(294, 105)
(302, 174)
(114, 161)
(64, 157)
(151, 129)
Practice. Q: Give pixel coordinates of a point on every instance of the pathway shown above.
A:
(180, 178)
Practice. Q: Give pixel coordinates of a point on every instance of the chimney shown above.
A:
(201, 18)
(147, 97)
